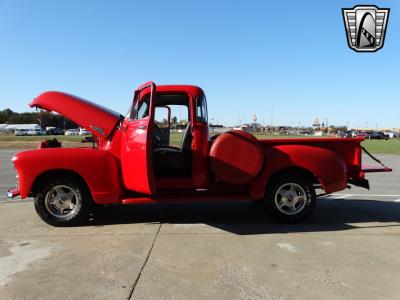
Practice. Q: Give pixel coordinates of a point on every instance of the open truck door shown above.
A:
(137, 142)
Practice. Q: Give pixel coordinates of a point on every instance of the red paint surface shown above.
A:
(236, 157)
(136, 156)
(136, 147)
(99, 120)
(99, 169)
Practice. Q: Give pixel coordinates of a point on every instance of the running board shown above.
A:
(185, 199)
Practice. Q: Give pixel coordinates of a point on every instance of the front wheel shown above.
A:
(290, 198)
(63, 202)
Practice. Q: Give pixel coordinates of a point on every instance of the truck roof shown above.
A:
(191, 89)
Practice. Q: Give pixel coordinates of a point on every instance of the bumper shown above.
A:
(360, 182)
(12, 193)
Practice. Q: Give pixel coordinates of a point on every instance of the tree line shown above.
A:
(43, 118)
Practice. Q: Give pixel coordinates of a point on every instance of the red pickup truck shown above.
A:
(133, 161)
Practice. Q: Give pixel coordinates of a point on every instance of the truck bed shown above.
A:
(348, 148)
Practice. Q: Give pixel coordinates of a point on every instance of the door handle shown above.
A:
(142, 126)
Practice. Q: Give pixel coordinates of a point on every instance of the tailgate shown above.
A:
(374, 168)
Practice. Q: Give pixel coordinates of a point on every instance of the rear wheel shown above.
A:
(290, 198)
(63, 202)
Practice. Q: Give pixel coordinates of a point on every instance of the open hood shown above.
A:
(99, 120)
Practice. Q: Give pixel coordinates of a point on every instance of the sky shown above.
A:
(288, 62)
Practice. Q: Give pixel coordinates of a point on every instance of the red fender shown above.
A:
(98, 168)
(325, 164)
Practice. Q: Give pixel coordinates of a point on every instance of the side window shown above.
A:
(143, 111)
(140, 110)
(201, 109)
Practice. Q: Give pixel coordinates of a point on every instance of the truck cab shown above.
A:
(149, 158)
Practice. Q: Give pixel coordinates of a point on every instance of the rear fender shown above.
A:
(324, 164)
(99, 169)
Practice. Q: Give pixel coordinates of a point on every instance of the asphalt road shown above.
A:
(348, 249)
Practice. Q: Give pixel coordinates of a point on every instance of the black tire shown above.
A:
(285, 209)
(49, 211)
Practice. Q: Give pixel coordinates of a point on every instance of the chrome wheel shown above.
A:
(61, 201)
(290, 198)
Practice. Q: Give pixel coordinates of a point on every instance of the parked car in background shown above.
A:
(392, 134)
(318, 133)
(72, 131)
(54, 131)
(21, 132)
(346, 134)
(362, 135)
(83, 131)
(378, 135)
(36, 132)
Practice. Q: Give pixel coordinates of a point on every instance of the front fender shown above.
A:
(98, 168)
(328, 167)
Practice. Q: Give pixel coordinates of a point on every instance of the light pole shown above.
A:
(40, 123)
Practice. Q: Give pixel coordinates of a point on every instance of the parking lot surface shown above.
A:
(348, 249)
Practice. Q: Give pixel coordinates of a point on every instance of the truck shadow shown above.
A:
(247, 218)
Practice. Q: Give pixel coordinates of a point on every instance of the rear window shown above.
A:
(201, 109)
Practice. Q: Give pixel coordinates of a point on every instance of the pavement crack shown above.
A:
(133, 287)
(144, 263)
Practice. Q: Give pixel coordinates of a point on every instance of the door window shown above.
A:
(143, 111)
(140, 110)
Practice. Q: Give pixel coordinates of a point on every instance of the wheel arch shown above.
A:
(293, 170)
(324, 165)
(56, 173)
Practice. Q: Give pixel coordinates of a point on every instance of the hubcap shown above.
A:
(290, 198)
(61, 201)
